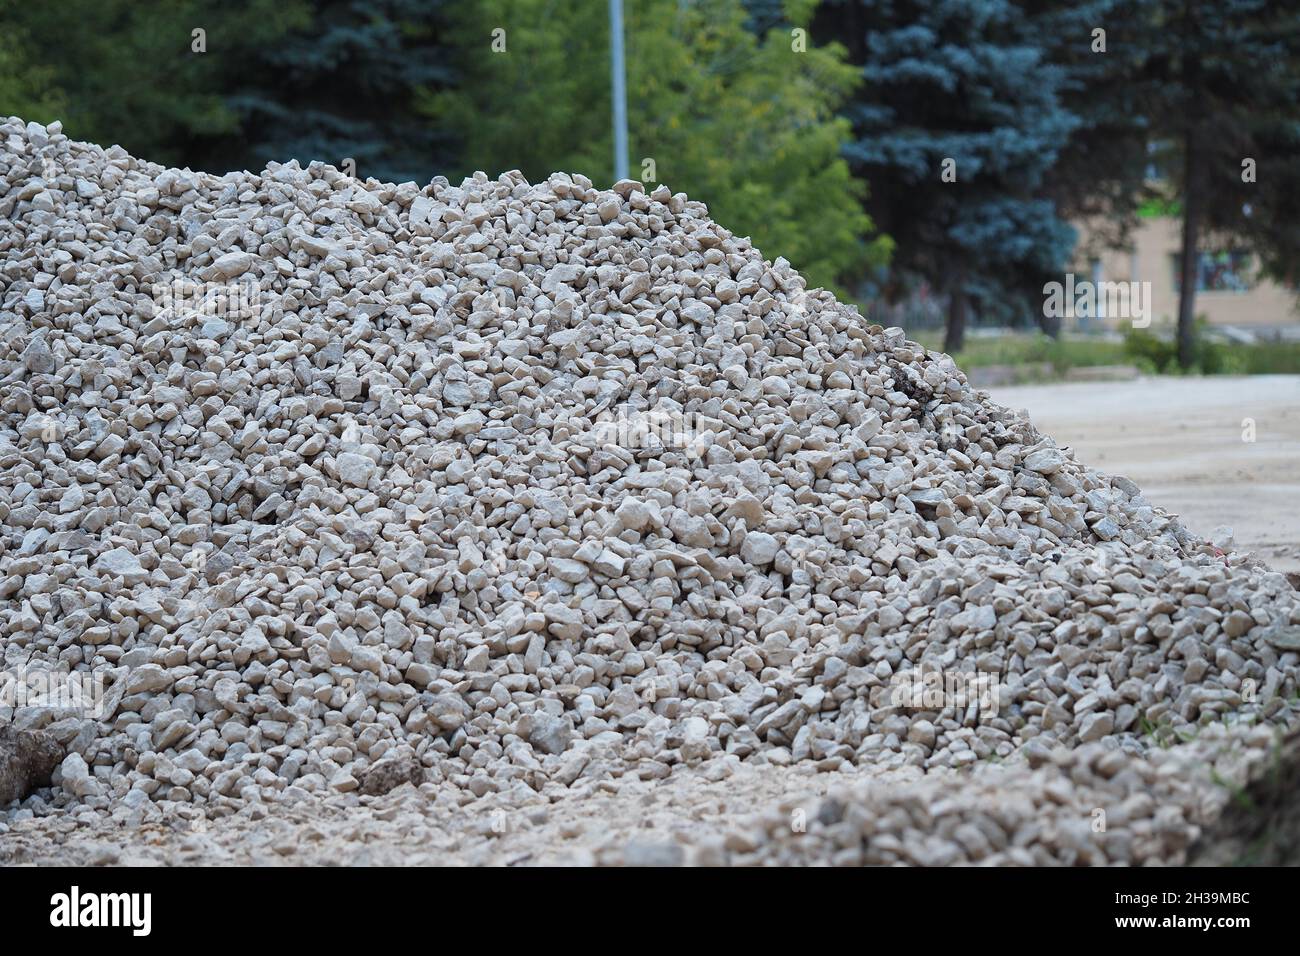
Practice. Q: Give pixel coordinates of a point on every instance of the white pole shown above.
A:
(618, 82)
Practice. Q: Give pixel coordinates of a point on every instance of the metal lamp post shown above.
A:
(618, 84)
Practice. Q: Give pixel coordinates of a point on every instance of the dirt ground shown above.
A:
(1181, 440)
(1184, 441)
(626, 821)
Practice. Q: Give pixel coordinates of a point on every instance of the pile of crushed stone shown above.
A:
(506, 489)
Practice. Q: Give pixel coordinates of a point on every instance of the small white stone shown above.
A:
(759, 548)
(355, 469)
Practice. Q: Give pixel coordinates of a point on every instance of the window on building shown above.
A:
(1218, 272)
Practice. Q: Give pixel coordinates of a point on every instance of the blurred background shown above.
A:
(940, 162)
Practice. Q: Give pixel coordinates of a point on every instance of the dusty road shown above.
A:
(1186, 442)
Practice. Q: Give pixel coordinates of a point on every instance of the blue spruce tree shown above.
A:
(958, 122)
(347, 86)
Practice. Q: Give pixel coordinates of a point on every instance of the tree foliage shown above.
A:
(1221, 83)
(957, 125)
(1100, 173)
(124, 72)
(730, 104)
(343, 85)
(743, 123)
(27, 88)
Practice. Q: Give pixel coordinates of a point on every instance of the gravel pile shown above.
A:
(501, 488)
(1087, 806)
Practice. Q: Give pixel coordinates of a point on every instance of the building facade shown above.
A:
(1230, 292)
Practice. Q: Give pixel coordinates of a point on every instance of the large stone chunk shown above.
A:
(549, 734)
(355, 469)
(390, 774)
(28, 758)
(119, 562)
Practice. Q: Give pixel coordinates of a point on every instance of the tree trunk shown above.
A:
(954, 336)
(1047, 324)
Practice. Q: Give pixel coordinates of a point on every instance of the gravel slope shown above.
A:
(402, 537)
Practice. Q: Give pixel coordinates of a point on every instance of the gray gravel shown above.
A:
(500, 492)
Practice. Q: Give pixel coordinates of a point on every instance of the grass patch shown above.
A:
(1062, 354)
(1157, 354)
(1153, 354)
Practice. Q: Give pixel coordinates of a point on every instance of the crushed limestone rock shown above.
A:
(512, 488)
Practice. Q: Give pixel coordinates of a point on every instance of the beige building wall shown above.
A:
(1153, 258)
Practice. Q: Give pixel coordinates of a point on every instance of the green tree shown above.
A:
(743, 123)
(125, 72)
(27, 89)
(1100, 173)
(1222, 80)
(957, 126)
(343, 86)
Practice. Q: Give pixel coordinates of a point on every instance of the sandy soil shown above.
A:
(1183, 441)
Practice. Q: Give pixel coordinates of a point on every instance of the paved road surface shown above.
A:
(1181, 440)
